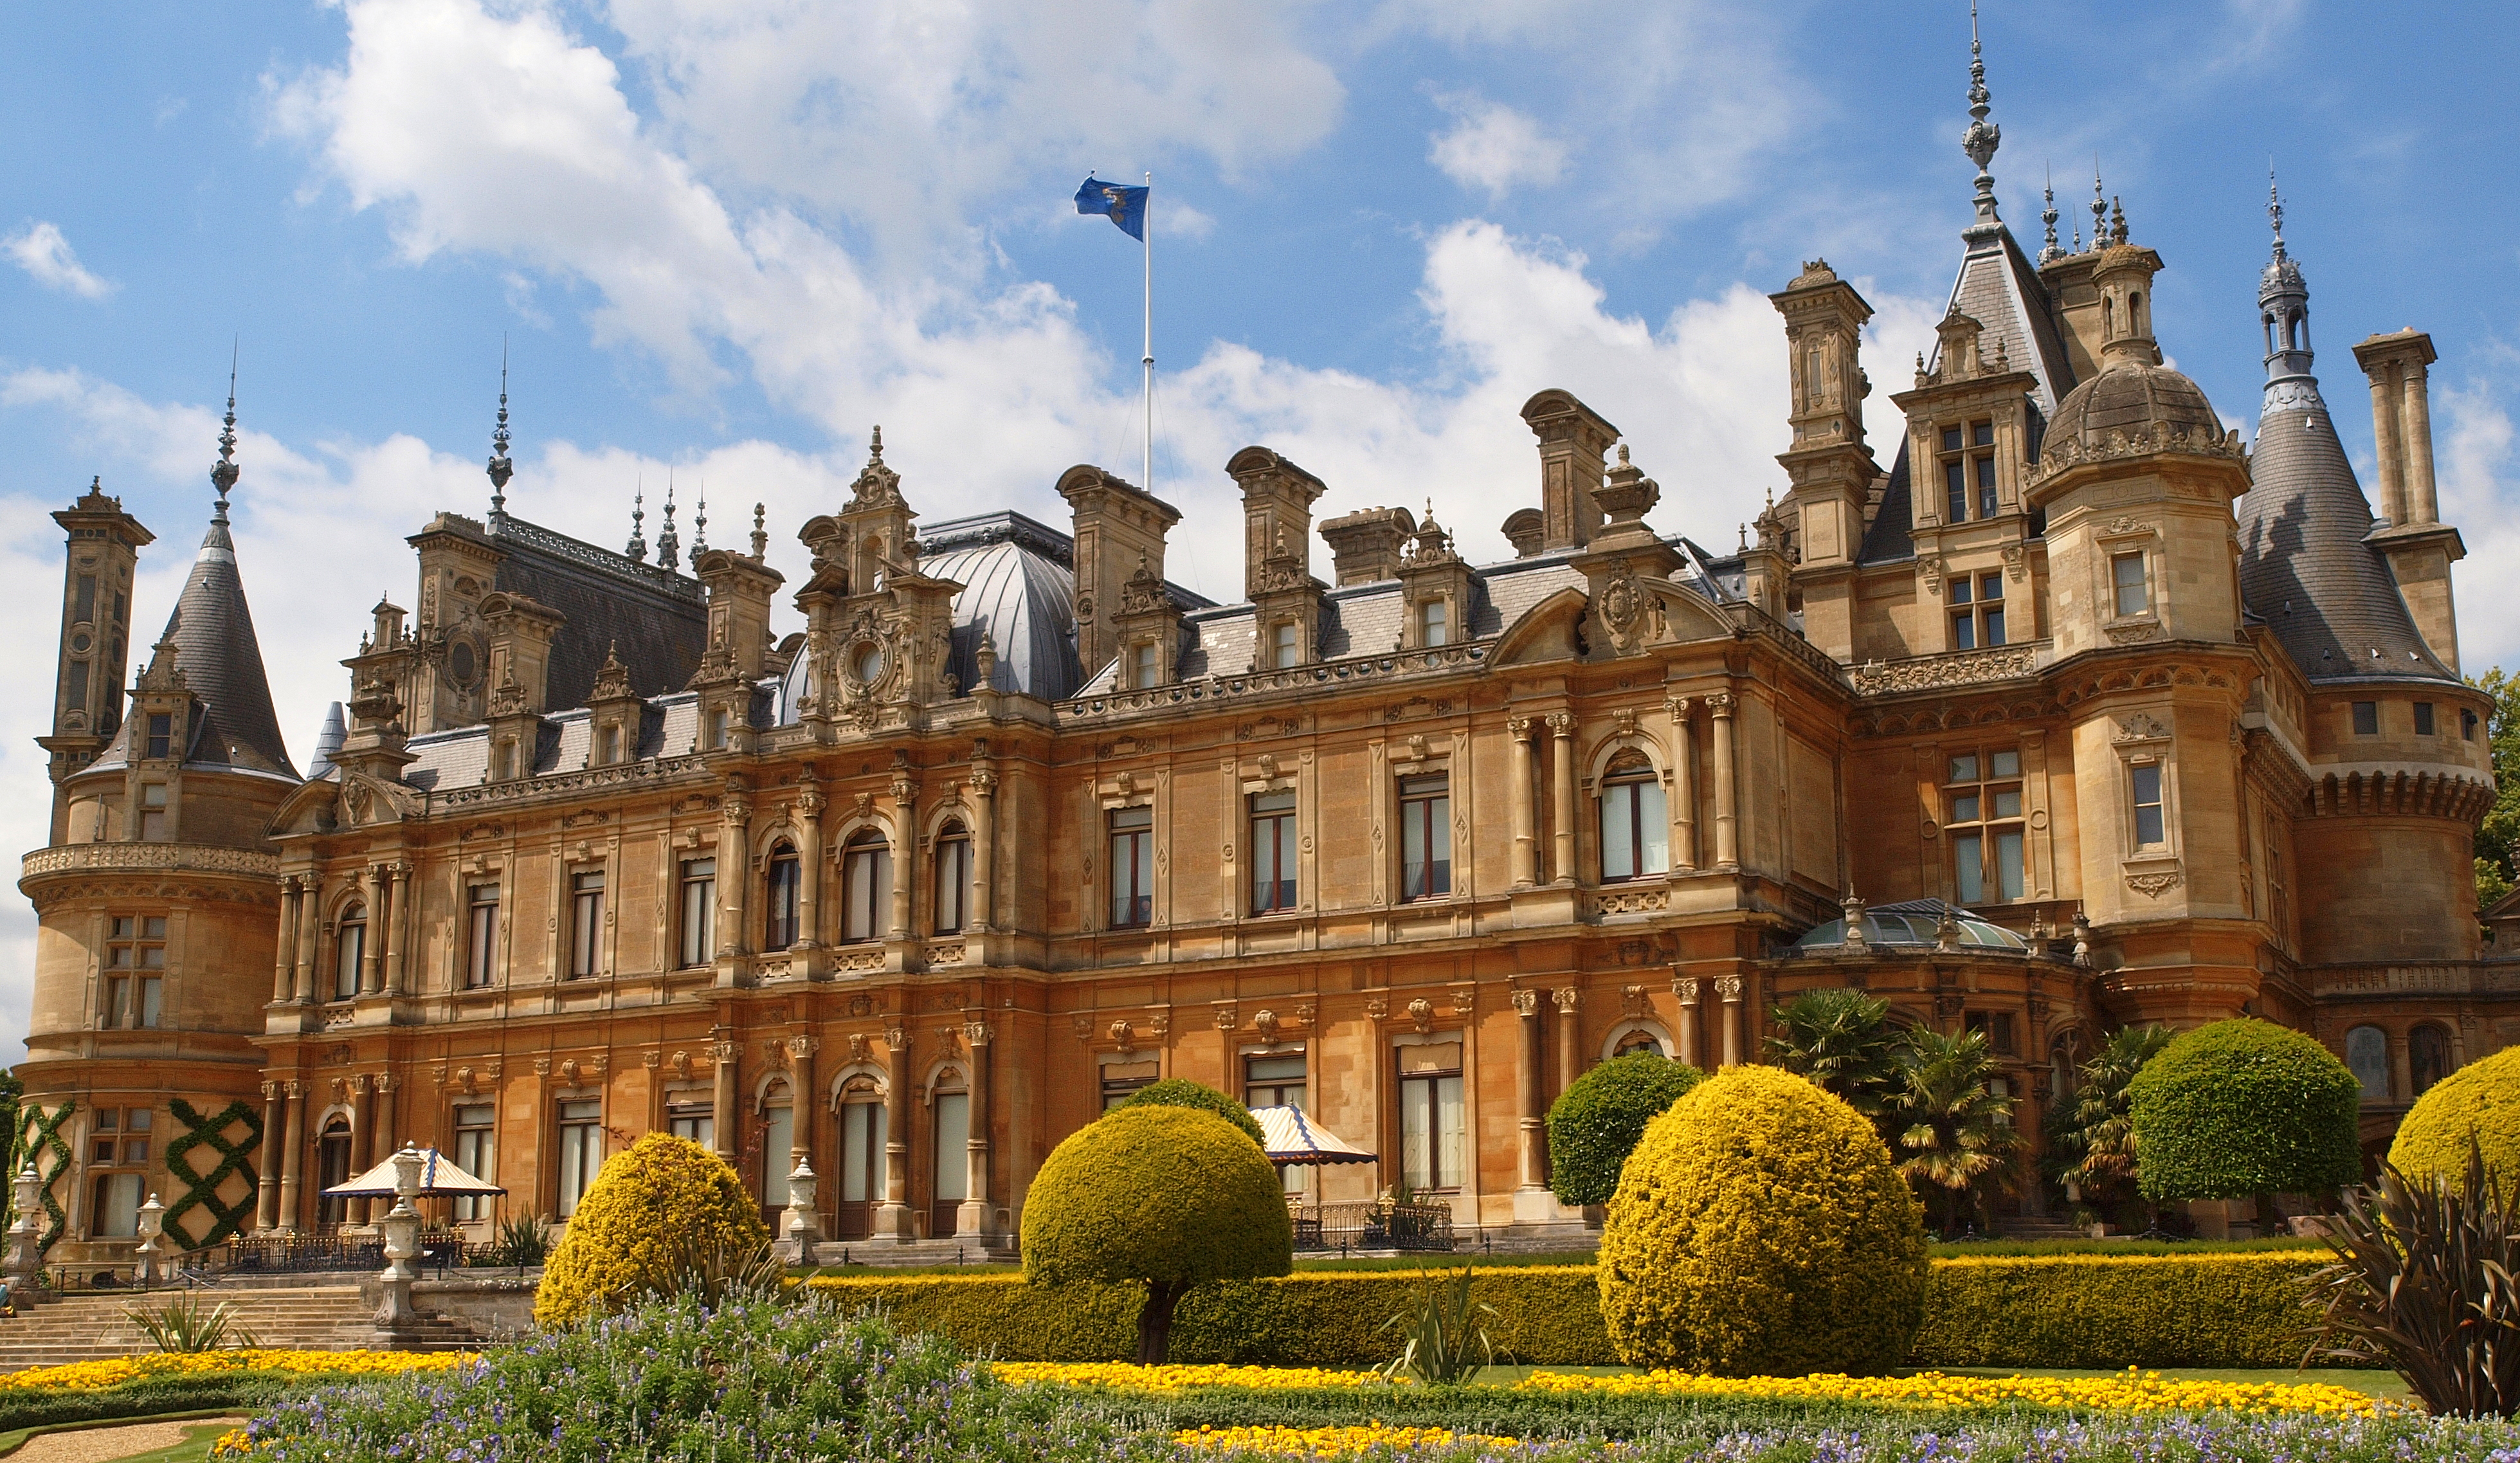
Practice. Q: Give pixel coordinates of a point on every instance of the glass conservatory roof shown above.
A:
(1913, 922)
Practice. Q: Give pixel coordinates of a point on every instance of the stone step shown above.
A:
(88, 1326)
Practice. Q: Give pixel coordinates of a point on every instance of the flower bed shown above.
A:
(122, 1371)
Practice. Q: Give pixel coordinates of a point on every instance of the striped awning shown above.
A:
(1293, 1138)
(437, 1176)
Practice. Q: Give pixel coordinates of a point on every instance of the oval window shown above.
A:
(461, 664)
(868, 662)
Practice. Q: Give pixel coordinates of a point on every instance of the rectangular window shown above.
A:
(777, 1153)
(1967, 457)
(2127, 581)
(866, 891)
(699, 911)
(78, 684)
(1990, 612)
(135, 952)
(953, 1149)
(1425, 835)
(2367, 719)
(1277, 1080)
(1635, 823)
(2467, 724)
(1432, 625)
(1954, 488)
(716, 728)
(692, 1122)
(2149, 832)
(610, 742)
(1133, 865)
(162, 733)
(481, 936)
(1983, 814)
(581, 1151)
(953, 882)
(117, 1140)
(1144, 675)
(862, 1152)
(1284, 651)
(586, 925)
(1120, 1083)
(2424, 718)
(153, 812)
(85, 614)
(1986, 501)
(1273, 853)
(1998, 1027)
(1435, 1126)
(476, 1152)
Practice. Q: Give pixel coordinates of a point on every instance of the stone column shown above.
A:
(293, 1151)
(2386, 392)
(1526, 853)
(1561, 728)
(395, 984)
(806, 1102)
(384, 1120)
(1685, 987)
(1529, 1093)
(2420, 496)
(310, 924)
(984, 850)
(892, 1219)
(284, 960)
(723, 1116)
(1571, 1054)
(1728, 838)
(266, 1207)
(809, 864)
(971, 1221)
(1683, 785)
(372, 958)
(356, 1212)
(1729, 988)
(905, 853)
(733, 879)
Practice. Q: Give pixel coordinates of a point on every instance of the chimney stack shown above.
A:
(2402, 421)
(1574, 451)
(1365, 545)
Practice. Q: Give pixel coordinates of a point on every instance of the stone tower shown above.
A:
(104, 544)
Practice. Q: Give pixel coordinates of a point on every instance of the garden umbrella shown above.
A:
(437, 1176)
(1293, 1138)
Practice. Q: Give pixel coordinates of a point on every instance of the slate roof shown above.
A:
(233, 723)
(2000, 290)
(2131, 397)
(1019, 586)
(655, 616)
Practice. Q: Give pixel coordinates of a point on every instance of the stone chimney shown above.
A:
(2401, 423)
(1574, 447)
(1118, 526)
(1365, 545)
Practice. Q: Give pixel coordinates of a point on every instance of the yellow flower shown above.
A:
(1130, 1377)
(91, 1376)
(1327, 1443)
(2129, 1390)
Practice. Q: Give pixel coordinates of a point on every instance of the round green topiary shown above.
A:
(659, 1202)
(1595, 1122)
(2242, 1108)
(1760, 1229)
(1181, 1092)
(2481, 1098)
(1168, 1197)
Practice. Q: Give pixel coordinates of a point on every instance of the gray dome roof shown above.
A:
(1915, 922)
(2126, 400)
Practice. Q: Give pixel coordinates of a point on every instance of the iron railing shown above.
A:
(298, 1253)
(1373, 1224)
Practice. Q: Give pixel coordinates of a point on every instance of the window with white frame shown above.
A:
(1636, 821)
(1983, 819)
(1434, 1125)
(135, 957)
(1435, 623)
(476, 1152)
(2144, 785)
(349, 949)
(1133, 865)
(694, 1120)
(581, 1150)
(698, 923)
(482, 935)
(951, 890)
(866, 889)
(1273, 853)
(2130, 588)
(1143, 671)
(1286, 641)
(1425, 835)
(586, 923)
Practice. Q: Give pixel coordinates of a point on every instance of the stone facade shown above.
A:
(2076, 714)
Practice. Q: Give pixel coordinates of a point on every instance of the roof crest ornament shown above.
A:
(2274, 207)
(2049, 253)
(760, 535)
(223, 476)
(699, 526)
(638, 549)
(669, 545)
(501, 469)
(2099, 210)
(1982, 138)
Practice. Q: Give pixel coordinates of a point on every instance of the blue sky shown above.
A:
(721, 239)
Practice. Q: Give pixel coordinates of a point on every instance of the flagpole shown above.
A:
(1146, 228)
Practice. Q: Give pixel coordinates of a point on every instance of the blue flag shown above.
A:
(1124, 202)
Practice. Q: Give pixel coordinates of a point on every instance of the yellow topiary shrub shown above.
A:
(657, 1203)
(1759, 1228)
(2482, 1098)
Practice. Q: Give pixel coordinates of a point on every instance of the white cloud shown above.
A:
(2474, 472)
(1491, 145)
(42, 251)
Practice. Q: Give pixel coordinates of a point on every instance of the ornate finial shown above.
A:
(760, 535)
(669, 545)
(2117, 220)
(501, 469)
(2048, 216)
(2274, 207)
(875, 445)
(2099, 209)
(699, 526)
(1744, 531)
(1983, 137)
(638, 549)
(223, 477)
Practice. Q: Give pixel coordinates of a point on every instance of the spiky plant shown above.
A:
(1955, 1132)
(2093, 1135)
(186, 1325)
(1842, 1039)
(1447, 1345)
(2427, 1276)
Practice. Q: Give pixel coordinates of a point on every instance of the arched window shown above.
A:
(1635, 823)
(951, 1174)
(866, 888)
(333, 1167)
(2427, 1057)
(953, 888)
(349, 951)
(863, 1137)
(1639, 1042)
(778, 1144)
(2366, 1056)
(784, 881)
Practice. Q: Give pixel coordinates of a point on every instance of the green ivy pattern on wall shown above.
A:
(43, 1139)
(201, 1190)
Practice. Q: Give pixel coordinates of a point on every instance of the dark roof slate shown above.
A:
(217, 650)
(656, 618)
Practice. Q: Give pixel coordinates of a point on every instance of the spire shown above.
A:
(1982, 138)
(699, 526)
(223, 474)
(638, 549)
(501, 469)
(2049, 254)
(2099, 209)
(669, 545)
(2283, 309)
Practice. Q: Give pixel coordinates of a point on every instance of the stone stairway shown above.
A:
(88, 1327)
(2025, 1227)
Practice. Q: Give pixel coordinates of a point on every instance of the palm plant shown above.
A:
(2091, 1132)
(184, 1324)
(1955, 1130)
(1447, 1345)
(1842, 1039)
(2427, 1275)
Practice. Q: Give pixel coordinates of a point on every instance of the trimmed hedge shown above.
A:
(1596, 1121)
(2241, 1108)
(2482, 1098)
(2070, 1310)
(241, 1391)
(1181, 1092)
(653, 1205)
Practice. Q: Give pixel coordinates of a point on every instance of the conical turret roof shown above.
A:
(216, 648)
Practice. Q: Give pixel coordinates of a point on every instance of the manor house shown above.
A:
(2064, 710)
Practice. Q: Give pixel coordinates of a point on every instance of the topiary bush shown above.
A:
(1596, 1123)
(1760, 1228)
(1181, 1092)
(653, 1207)
(2242, 1108)
(1168, 1197)
(2482, 1098)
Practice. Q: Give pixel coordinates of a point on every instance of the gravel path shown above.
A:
(101, 1444)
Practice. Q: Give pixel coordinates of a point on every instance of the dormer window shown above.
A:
(152, 812)
(1142, 671)
(610, 742)
(161, 728)
(1968, 471)
(1433, 623)
(716, 738)
(1283, 645)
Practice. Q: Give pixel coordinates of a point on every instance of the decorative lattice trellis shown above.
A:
(43, 1139)
(201, 1191)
